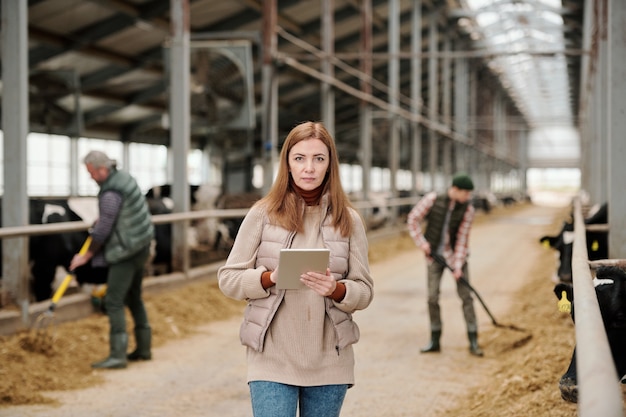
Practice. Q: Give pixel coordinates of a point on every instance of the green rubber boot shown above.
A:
(474, 348)
(143, 339)
(433, 346)
(117, 357)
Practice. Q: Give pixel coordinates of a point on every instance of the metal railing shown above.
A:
(190, 273)
(599, 393)
(77, 226)
(43, 229)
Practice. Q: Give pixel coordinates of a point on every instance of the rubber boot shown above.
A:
(433, 346)
(143, 339)
(117, 356)
(474, 348)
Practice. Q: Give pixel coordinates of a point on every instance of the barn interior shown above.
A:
(436, 79)
(417, 89)
(421, 87)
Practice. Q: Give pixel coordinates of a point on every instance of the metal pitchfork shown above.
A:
(441, 261)
(47, 318)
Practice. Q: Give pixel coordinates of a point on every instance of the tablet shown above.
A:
(294, 262)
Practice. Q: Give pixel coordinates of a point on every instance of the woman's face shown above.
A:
(308, 163)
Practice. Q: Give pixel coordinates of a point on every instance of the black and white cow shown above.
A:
(207, 234)
(482, 201)
(49, 251)
(165, 191)
(202, 231)
(228, 228)
(597, 243)
(610, 286)
(161, 251)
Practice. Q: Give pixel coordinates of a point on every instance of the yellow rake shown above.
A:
(47, 318)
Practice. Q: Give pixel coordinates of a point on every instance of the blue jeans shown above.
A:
(271, 399)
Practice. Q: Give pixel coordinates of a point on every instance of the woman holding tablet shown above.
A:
(299, 341)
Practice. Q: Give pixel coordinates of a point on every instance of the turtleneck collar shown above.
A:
(311, 197)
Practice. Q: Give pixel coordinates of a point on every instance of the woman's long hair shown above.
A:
(285, 206)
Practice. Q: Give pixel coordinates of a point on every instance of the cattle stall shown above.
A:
(599, 393)
(190, 269)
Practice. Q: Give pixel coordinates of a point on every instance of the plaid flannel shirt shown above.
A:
(456, 258)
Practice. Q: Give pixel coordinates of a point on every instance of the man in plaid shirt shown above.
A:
(448, 219)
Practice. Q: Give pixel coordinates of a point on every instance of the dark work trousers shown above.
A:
(435, 272)
(124, 288)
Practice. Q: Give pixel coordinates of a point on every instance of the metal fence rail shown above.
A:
(43, 229)
(76, 226)
(12, 322)
(599, 393)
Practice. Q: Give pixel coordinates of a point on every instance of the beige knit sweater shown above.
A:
(299, 347)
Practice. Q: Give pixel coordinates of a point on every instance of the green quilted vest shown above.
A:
(437, 216)
(133, 229)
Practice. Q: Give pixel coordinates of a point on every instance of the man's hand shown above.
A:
(457, 274)
(79, 260)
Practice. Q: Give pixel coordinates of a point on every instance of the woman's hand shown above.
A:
(323, 284)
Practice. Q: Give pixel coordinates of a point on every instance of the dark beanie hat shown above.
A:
(462, 181)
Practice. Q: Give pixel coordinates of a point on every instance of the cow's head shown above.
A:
(610, 284)
(610, 287)
(565, 293)
(563, 243)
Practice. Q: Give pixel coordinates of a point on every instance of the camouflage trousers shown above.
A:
(435, 273)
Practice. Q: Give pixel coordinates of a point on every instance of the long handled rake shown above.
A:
(47, 319)
(441, 261)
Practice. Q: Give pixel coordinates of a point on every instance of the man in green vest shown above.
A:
(120, 241)
(448, 218)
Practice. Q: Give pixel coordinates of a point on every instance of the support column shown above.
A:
(75, 165)
(461, 110)
(416, 94)
(270, 94)
(473, 157)
(180, 108)
(15, 271)
(446, 104)
(446, 107)
(365, 114)
(328, 46)
(433, 99)
(616, 169)
(599, 189)
(394, 91)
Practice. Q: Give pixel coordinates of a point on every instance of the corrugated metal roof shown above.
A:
(111, 57)
(536, 47)
(530, 50)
